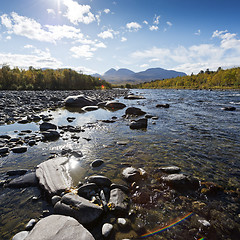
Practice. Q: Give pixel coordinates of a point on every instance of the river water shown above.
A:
(195, 134)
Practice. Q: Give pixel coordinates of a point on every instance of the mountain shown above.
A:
(124, 75)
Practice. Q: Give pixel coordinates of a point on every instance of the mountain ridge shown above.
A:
(124, 75)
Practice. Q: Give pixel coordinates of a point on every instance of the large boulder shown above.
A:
(79, 208)
(53, 176)
(80, 101)
(59, 227)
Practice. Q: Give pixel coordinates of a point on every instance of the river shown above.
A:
(194, 133)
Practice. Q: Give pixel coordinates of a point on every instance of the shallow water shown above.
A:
(194, 134)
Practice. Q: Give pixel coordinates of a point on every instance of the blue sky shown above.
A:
(95, 35)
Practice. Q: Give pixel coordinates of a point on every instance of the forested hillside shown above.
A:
(220, 79)
(38, 79)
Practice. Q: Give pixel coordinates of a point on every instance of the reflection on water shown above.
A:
(194, 134)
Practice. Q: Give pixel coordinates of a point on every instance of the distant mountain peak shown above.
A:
(124, 75)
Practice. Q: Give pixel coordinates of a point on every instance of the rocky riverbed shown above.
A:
(101, 178)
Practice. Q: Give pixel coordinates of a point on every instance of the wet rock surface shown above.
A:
(59, 227)
(53, 176)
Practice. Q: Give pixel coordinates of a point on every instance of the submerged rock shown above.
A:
(181, 182)
(16, 172)
(53, 176)
(131, 174)
(79, 208)
(59, 227)
(27, 180)
(97, 163)
(170, 169)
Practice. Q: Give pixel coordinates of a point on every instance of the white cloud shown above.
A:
(77, 13)
(198, 33)
(8, 37)
(153, 28)
(133, 26)
(29, 28)
(196, 57)
(28, 46)
(106, 10)
(123, 39)
(37, 59)
(51, 11)
(100, 45)
(85, 51)
(6, 21)
(169, 23)
(106, 34)
(144, 65)
(156, 19)
(145, 22)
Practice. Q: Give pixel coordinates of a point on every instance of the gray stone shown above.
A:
(86, 190)
(165, 105)
(181, 182)
(46, 126)
(90, 108)
(27, 180)
(101, 181)
(134, 111)
(139, 124)
(97, 163)
(107, 229)
(79, 208)
(133, 97)
(30, 224)
(170, 169)
(80, 101)
(16, 172)
(119, 201)
(50, 135)
(19, 149)
(131, 174)
(55, 199)
(113, 105)
(60, 228)
(4, 150)
(20, 236)
(53, 176)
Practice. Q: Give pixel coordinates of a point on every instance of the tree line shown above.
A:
(220, 79)
(39, 79)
